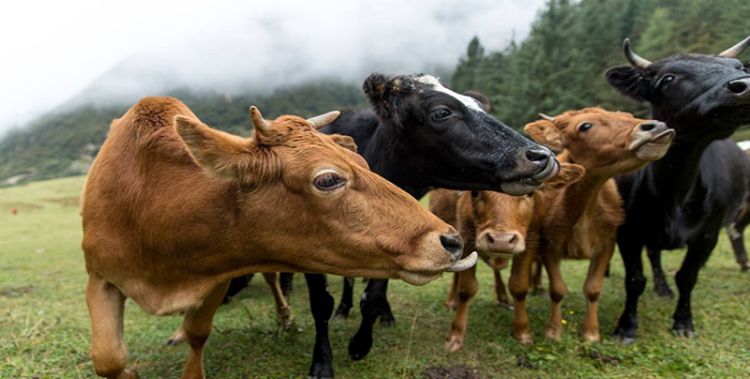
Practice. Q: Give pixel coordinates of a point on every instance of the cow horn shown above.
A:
(546, 117)
(736, 50)
(324, 119)
(258, 121)
(635, 59)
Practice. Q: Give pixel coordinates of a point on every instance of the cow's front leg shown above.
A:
(106, 304)
(197, 326)
(321, 306)
(283, 311)
(372, 306)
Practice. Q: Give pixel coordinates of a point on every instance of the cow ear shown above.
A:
(569, 174)
(220, 154)
(344, 141)
(629, 81)
(385, 94)
(484, 101)
(546, 133)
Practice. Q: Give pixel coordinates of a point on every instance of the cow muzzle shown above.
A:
(651, 140)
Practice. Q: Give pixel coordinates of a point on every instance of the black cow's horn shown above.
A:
(546, 117)
(736, 50)
(635, 59)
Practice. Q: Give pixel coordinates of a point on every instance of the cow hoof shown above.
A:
(177, 338)
(321, 370)
(386, 318)
(524, 338)
(286, 318)
(664, 291)
(128, 374)
(684, 332)
(591, 338)
(553, 334)
(342, 311)
(505, 304)
(625, 335)
(454, 343)
(359, 346)
(451, 305)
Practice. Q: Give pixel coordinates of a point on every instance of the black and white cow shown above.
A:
(686, 197)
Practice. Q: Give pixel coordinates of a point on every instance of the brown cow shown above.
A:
(174, 209)
(580, 221)
(495, 224)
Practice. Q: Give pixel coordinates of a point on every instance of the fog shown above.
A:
(91, 50)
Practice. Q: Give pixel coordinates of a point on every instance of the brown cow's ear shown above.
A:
(569, 174)
(344, 141)
(546, 133)
(220, 154)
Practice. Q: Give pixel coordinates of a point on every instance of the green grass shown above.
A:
(45, 332)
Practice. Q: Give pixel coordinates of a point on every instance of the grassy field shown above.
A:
(45, 332)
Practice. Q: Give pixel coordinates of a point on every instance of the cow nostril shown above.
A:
(540, 156)
(489, 238)
(513, 239)
(738, 86)
(453, 244)
(648, 126)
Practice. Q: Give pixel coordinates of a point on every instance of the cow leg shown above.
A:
(108, 351)
(452, 302)
(197, 327)
(286, 280)
(519, 282)
(346, 303)
(592, 288)
(697, 255)
(635, 283)
(557, 292)
(736, 232)
(538, 288)
(236, 285)
(371, 305)
(467, 288)
(283, 311)
(321, 306)
(661, 287)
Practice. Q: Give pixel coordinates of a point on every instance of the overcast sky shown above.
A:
(52, 50)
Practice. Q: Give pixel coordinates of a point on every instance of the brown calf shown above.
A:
(173, 209)
(495, 224)
(580, 221)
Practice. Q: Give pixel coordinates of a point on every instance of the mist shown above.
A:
(97, 51)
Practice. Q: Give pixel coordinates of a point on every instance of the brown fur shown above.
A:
(578, 221)
(475, 215)
(174, 209)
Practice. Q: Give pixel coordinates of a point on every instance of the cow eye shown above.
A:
(440, 114)
(328, 181)
(585, 126)
(665, 80)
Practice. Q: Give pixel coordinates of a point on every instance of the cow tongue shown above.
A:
(464, 263)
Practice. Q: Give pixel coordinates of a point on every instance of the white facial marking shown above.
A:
(433, 82)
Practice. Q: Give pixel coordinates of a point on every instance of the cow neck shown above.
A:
(675, 174)
(389, 158)
(581, 196)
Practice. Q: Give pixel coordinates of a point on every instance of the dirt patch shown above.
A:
(68, 201)
(15, 291)
(600, 359)
(453, 372)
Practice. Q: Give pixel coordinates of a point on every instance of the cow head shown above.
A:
(699, 95)
(605, 143)
(460, 145)
(313, 206)
(502, 221)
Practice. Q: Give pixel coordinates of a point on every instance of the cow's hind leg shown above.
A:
(108, 352)
(197, 326)
(501, 291)
(736, 231)
(347, 298)
(321, 306)
(661, 287)
(283, 311)
(538, 288)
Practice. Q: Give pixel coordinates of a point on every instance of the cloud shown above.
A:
(145, 47)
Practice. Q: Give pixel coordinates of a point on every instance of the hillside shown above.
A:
(64, 142)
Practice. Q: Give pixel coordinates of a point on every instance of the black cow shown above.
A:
(684, 198)
(421, 135)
